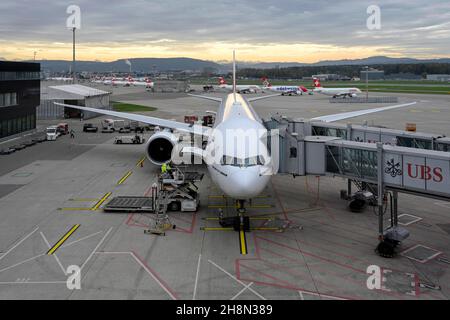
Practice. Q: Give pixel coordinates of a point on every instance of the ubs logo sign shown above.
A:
(414, 171)
(423, 172)
(393, 169)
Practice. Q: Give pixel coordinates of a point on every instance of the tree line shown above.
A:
(421, 69)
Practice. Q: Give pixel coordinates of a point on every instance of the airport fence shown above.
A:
(365, 100)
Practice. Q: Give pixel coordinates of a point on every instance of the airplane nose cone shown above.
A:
(246, 183)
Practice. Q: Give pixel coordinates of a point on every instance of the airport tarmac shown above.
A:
(57, 188)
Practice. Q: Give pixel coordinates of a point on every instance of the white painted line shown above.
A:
(95, 249)
(443, 204)
(417, 219)
(240, 292)
(301, 295)
(18, 243)
(196, 276)
(10, 140)
(153, 276)
(103, 252)
(79, 240)
(145, 268)
(54, 254)
(236, 279)
(321, 295)
(34, 282)
(438, 253)
(25, 261)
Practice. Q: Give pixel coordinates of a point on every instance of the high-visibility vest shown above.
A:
(164, 168)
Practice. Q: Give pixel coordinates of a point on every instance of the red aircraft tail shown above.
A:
(317, 83)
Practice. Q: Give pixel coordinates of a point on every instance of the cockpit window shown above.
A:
(238, 162)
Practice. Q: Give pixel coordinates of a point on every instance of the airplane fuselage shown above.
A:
(240, 170)
(337, 91)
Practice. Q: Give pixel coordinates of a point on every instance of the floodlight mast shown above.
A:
(234, 75)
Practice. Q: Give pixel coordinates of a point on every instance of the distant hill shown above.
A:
(140, 65)
(348, 62)
(379, 60)
(180, 64)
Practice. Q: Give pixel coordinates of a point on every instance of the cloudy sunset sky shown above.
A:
(282, 31)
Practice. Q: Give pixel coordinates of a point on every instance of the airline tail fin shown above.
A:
(316, 82)
(303, 89)
(266, 82)
(222, 81)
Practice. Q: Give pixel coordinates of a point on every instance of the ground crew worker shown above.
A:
(72, 134)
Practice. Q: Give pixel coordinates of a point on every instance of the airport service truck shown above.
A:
(52, 133)
(113, 125)
(135, 139)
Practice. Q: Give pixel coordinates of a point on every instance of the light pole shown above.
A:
(367, 82)
(73, 23)
(73, 57)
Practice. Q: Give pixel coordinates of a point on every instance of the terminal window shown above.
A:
(8, 99)
(13, 126)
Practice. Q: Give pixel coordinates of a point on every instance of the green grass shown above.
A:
(128, 107)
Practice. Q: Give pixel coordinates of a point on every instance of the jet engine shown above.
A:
(159, 147)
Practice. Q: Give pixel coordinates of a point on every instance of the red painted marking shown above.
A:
(313, 255)
(283, 284)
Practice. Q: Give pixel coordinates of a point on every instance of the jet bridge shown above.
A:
(374, 162)
(361, 133)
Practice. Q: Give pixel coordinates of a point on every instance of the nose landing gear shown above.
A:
(240, 222)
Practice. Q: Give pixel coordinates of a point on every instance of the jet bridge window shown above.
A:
(238, 162)
(443, 147)
(359, 163)
(329, 132)
(414, 143)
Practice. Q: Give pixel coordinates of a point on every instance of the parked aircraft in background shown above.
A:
(284, 90)
(64, 79)
(240, 88)
(335, 92)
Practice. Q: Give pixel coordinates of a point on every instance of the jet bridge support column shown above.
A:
(385, 247)
(395, 209)
(380, 190)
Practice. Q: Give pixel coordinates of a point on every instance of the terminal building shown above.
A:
(439, 77)
(19, 97)
(372, 74)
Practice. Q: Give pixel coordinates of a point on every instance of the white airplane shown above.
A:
(241, 169)
(240, 88)
(146, 83)
(284, 90)
(335, 92)
(64, 79)
(126, 82)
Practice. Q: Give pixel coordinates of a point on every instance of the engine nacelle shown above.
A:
(160, 146)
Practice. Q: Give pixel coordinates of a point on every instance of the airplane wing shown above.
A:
(353, 114)
(205, 97)
(180, 126)
(264, 97)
